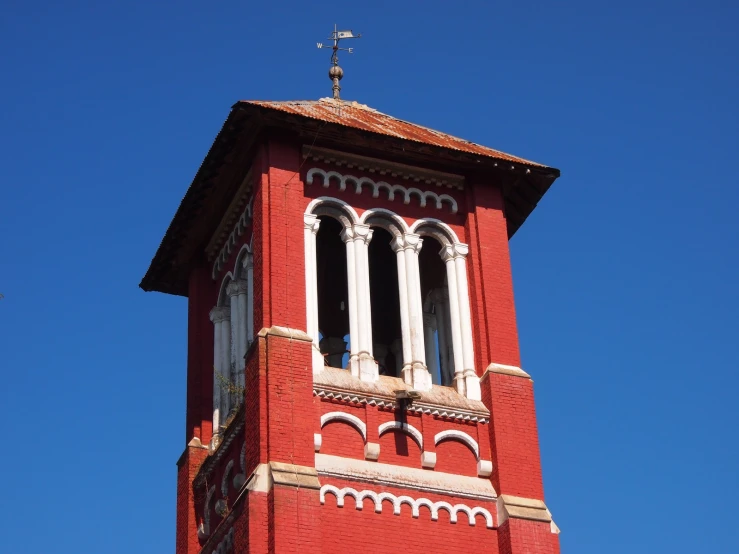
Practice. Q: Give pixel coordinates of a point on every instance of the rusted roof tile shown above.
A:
(360, 116)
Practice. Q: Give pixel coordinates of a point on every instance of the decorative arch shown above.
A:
(406, 428)
(352, 420)
(386, 219)
(461, 436)
(333, 207)
(222, 296)
(435, 228)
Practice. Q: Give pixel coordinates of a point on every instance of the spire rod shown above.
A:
(335, 73)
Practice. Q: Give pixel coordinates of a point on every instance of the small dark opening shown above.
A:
(383, 275)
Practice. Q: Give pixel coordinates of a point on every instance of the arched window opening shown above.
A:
(385, 304)
(333, 309)
(221, 318)
(436, 321)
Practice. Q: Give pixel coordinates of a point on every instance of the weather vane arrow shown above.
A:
(335, 73)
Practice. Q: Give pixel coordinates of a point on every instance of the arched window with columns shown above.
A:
(233, 333)
(453, 301)
(356, 238)
(220, 315)
(442, 291)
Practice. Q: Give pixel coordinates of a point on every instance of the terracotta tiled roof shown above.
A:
(360, 116)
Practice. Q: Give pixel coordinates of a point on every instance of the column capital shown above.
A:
(311, 223)
(220, 313)
(460, 250)
(347, 234)
(363, 232)
(248, 261)
(454, 251)
(237, 287)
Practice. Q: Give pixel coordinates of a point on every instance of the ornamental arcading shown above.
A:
(241, 225)
(415, 504)
(405, 193)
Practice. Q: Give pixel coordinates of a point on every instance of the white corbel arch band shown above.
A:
(397, 501)
(352, 420)
(461, 436)
(404, 427)
(392, 190)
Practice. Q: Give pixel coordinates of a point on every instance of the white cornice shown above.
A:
(416, 407)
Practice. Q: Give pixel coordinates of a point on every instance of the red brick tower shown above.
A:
(353, 379)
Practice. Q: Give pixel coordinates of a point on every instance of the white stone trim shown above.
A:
(383, 213)
(372, 451)
(484, 468)
(461, 436)
(450, 236)
(348, 418)
(405, 427)
(406, 192)
(417, 479)
(383, 167)
(416, 407)
(242, 223)
(415, 503)
(311, 224)
(428, 460)
(317, 442)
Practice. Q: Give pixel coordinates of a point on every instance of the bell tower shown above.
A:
(353, 375)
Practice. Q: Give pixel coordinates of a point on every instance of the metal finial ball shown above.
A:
(335, 72)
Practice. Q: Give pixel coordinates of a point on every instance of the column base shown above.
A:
(472, 385)
(364, 366)
(417, 376)
(317, 360)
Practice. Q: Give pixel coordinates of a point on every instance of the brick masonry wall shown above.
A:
(282, 415)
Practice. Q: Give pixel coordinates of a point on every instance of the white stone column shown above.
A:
(311, 224)
(472, 381)
(347, 235)
(447, 254)
(237, 290)
(368, 370)
(403, 355)
(429, 326)
(220, 316)
(420, 378)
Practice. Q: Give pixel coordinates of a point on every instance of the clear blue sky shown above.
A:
(625, 275)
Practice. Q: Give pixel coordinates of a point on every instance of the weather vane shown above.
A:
(336, 73)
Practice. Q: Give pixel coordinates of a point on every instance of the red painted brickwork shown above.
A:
(187, 523)
(281, 414)
(202, 292)
(489, 268)
(513, 436)
(527, 537)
